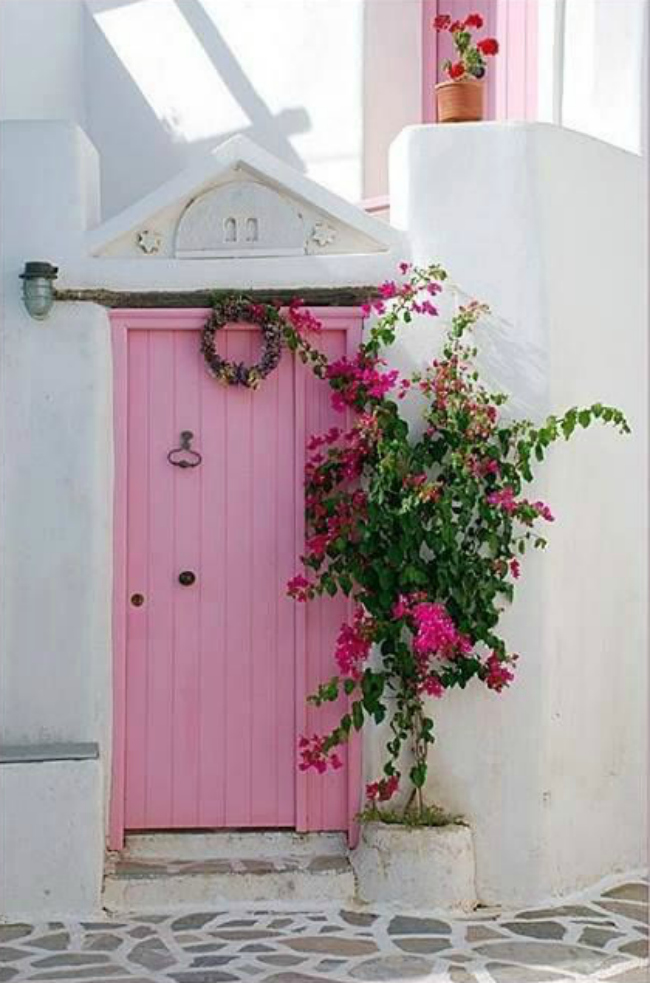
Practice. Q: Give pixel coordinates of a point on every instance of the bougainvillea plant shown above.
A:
(470, 61)
(424, 529)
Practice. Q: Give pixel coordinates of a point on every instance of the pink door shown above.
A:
(212, 660)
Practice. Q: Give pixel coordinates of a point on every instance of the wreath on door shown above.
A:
(233, 310)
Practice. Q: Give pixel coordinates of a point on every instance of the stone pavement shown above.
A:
(600, 937)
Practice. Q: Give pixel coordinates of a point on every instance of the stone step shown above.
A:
(163, 885)
(244, 844)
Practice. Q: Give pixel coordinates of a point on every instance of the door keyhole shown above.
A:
(187, 578)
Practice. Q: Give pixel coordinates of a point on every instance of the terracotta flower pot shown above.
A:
(460, 102)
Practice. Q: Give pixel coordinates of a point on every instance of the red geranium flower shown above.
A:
(474, 20)
(457, 71)
(488, 46)
(456, 26)
(441, 22)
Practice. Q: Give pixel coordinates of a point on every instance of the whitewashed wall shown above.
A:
(56, 462)
(543, 224)
(550, 774)
(55, 535)
(156, 83)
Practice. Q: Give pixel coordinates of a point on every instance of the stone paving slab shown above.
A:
(600, 938)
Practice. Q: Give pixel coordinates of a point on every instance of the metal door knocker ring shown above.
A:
(186, 448)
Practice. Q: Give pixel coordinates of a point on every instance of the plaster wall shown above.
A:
(42, 59)
(156, 83)
(56, 458)
(55, 449)
(51, 839)
(545, 771)
(550, 773)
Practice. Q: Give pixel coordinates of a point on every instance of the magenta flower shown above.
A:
(314, 755)
(498, 674)
(383, 790)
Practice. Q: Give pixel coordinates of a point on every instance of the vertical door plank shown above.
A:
(327, 794)
(214, 577)
(138, 618)
(160, 505)
(288, 502)
(239, 628)
(187, 524)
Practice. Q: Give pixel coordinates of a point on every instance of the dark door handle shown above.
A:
(187, 578)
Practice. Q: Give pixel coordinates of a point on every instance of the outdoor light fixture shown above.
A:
(38, 288)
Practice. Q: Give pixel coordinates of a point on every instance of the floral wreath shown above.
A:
(237, 310)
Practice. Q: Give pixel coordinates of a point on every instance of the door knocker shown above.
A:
(186, 448)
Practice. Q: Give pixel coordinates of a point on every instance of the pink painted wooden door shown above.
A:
(211, 677)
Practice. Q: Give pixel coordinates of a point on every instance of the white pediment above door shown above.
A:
(238, 219)
(241, 202)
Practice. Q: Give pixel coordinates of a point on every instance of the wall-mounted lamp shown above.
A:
(38, 288)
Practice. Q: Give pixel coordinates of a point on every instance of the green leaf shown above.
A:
(357, 715)
(418, 774)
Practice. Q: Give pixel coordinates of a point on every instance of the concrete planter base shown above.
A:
(425, 867)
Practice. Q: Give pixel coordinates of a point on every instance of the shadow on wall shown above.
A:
(156, 103)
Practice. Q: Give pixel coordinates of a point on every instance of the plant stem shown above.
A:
(419, 750)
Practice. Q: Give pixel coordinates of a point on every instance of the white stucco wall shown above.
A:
(551, 773)
(324, 86)
(55, 453)
(42, 60)
(544, 225)
(51, 839)
(56, 447)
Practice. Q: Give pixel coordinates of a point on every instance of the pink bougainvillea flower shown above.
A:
(302, 319)
(433, 686)
(353, 645)
(436, 633)
(504, 498)
(354, 378)
(515, 568)
(401, 607)
(388, 289)
(404, 267)
(543, 510)
(404, 386)
(313, 754)
(299, 588)
(427, 308)
(382, 790)
(498, 675)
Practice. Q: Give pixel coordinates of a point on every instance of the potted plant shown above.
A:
(424, 529)
(462, 97)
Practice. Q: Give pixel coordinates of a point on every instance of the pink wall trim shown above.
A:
(116, 811)
(512, 76)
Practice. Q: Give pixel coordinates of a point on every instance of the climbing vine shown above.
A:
(425, 529)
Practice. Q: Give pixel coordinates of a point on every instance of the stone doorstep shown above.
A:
(162, 885)
(244, 844)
